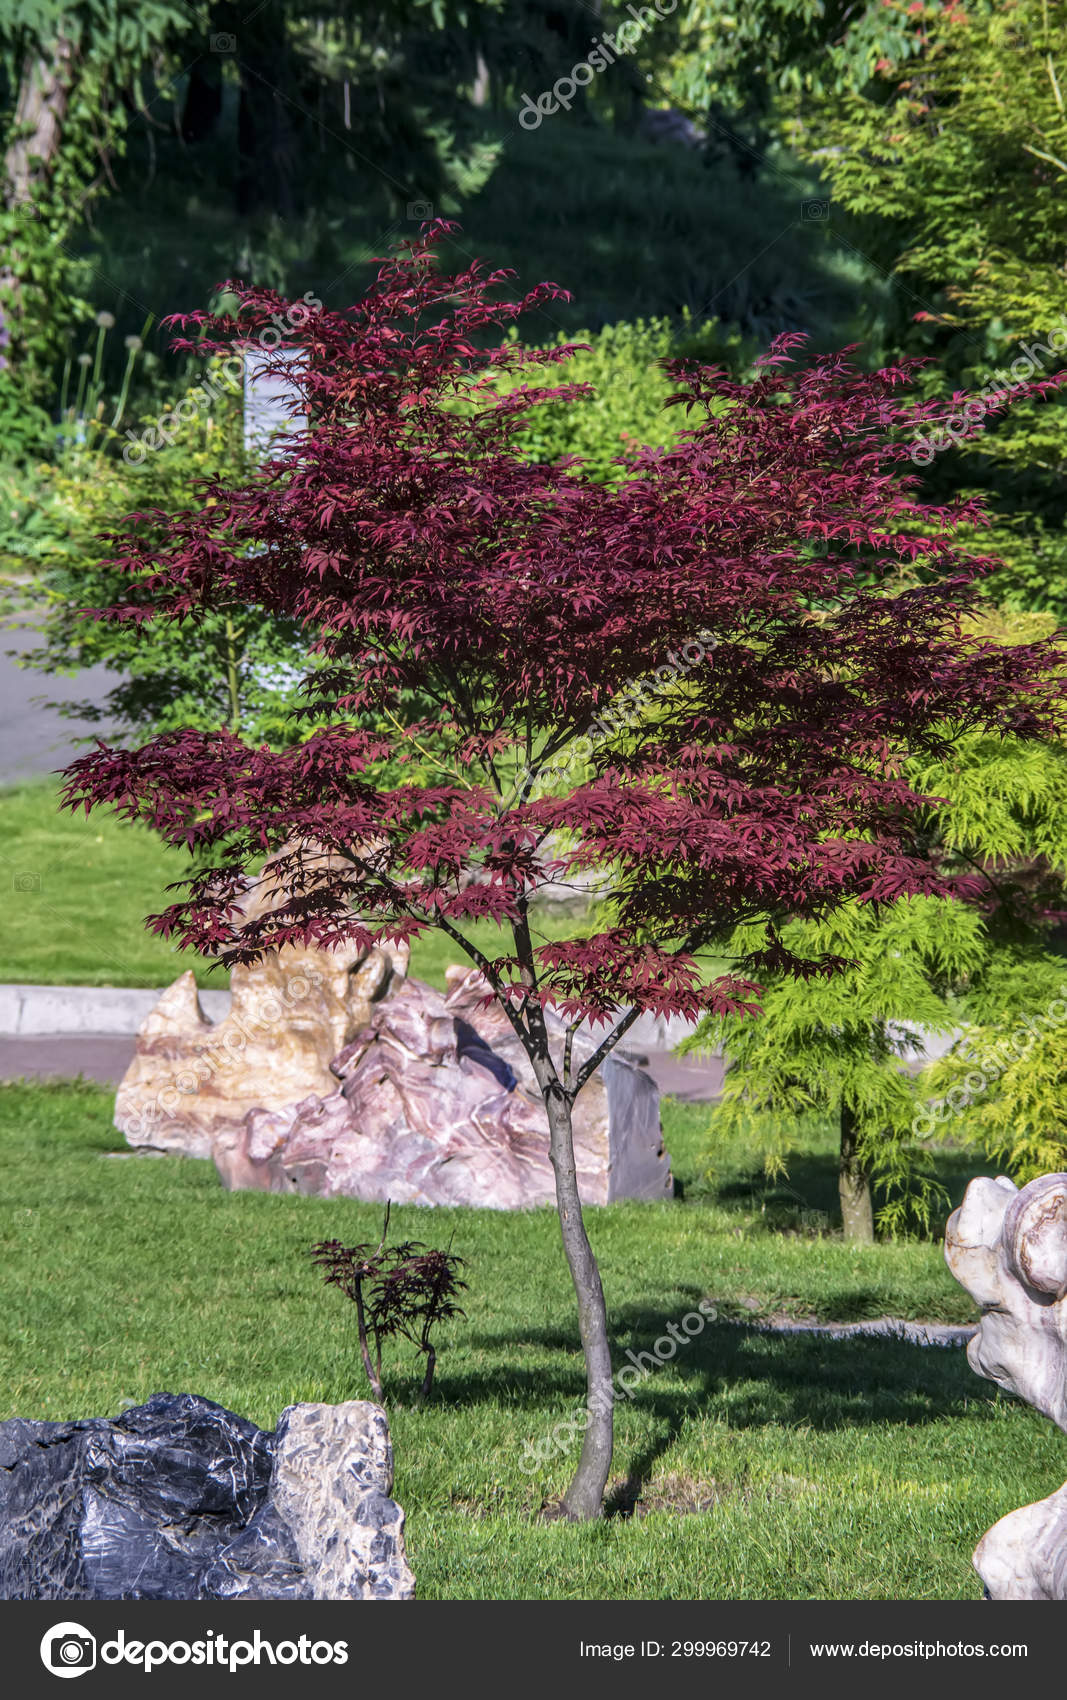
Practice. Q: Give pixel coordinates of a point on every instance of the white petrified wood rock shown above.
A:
(331, 1486)
(1009, 1249)
(1024, 1556)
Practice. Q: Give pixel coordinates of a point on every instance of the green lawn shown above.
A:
(761, 1467)
(78, 890)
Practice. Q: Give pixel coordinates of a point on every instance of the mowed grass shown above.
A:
(752, 1466)
(77, 891)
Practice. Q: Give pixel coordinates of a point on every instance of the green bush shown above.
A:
(231, 666)
(627, 409)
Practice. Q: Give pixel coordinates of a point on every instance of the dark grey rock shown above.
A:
(180, 1499)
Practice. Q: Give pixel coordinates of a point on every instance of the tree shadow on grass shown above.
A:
(763, 1376)
(749, 1377)
(806, 1198)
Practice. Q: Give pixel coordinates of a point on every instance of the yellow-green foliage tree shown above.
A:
(920, 967)
(625, 407)
(1003, 1086)
(836, 1046)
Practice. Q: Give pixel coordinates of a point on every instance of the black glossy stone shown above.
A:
(471, 1045)
(170, 1500)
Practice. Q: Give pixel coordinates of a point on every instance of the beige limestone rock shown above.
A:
(290, 1015)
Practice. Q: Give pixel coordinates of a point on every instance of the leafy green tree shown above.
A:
(226, 664)
(394, 77)
(742, 57)
(951, 165)
(80, 79)
(957, 149)
(1003, 1084)
(70, 72)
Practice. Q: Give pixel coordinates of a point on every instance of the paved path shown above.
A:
(691, 1081)
(106, 1057)
(41, 1056)
(37, 740)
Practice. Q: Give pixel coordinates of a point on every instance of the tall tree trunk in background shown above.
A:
(482, 87)
(203, 100)
(267, 110)
(854, 1184)
(44, 93)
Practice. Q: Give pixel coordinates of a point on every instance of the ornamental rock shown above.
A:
(179, 1499)
(290, 1015)
(435, 1102)
(1009, 1249)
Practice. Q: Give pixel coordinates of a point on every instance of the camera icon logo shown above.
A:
(420, 210)
(224, 42)
(68, 1650)
(814, 212)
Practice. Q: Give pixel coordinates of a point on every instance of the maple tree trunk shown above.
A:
(854, 1185)
(584, 1499)
(431, 1365)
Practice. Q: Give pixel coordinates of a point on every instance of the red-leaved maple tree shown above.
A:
(431, 564)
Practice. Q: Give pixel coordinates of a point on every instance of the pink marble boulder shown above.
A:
(436, 1104)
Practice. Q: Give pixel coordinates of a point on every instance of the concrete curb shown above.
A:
(34, 1010)
(26, 1010)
